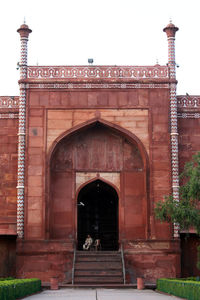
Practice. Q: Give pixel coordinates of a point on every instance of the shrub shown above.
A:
(188, 289)
(18, 288)
(197, 278)
(7, 278)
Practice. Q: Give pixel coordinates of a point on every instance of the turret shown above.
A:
(170, 30)
(24, 32)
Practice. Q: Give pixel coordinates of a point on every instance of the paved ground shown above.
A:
(100, 294)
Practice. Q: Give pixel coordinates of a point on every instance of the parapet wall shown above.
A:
(188, 127)
(8, 164)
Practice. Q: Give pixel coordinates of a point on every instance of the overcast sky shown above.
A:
(112, 32)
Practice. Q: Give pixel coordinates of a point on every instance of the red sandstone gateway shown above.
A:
(97, 147)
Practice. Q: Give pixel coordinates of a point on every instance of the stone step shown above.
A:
(83, 253)
(96, 279)
(98, 258)
(98, 273)
(98, 265)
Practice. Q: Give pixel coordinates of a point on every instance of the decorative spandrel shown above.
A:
(132, 158)
(62, 160)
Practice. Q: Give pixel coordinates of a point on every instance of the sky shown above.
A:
(112, 32)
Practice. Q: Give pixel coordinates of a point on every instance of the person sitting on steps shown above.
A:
(97, 245)
(88, 243)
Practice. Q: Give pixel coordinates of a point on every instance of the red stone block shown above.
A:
(102, 99)
(82, 99)
(35, 141)
(122, 98)
(44, 98)
(36, 112)
(35, 159)
(143, 97)
(3, 139)
(33, 231)
(34, 202)
(112, 99)
(35, 170)
(9, 177)
(133, 97)
(35, 181)
(36, 131)
(34, 98)
(11, 123)
(35, 191)
(65, 98)
(92, 99)
(35, 150)
(35, 121)
(74, 99)
(54, 99)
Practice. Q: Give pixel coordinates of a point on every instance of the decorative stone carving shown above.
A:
(98, 72)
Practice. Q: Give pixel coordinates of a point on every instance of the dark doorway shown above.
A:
(98, 214)
(189, 254)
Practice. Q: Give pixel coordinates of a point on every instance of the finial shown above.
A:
(170, 20)
(24, 20)
(170, 30)
(157, 63)
(24, 30)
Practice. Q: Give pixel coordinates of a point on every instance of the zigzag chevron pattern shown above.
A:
(174, 129)
(21, 135)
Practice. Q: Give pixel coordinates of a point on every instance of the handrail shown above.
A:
(74, 259)
(123, 264)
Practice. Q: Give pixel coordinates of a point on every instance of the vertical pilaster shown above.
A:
(171, 31)
(24, 32)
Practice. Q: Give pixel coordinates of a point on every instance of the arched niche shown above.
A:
(97, 146)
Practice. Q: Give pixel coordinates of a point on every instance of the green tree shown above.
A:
(184, 212)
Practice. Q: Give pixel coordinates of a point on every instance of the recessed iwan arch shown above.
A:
(97, 150)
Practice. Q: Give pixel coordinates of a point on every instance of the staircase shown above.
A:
(98, 267)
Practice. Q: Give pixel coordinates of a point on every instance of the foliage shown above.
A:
(184, 212)
(181, 288)
(18, 288)
(197, 278)
(7, 278)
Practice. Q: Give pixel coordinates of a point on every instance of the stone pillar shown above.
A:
(24, 32)
(171, 32)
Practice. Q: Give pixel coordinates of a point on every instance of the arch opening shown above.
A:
(97, 215)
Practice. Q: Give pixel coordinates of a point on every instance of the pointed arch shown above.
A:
(95, 179)
(124, 133)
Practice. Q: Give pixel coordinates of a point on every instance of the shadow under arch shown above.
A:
(97, 214)
(120, 130)
(84, 126)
